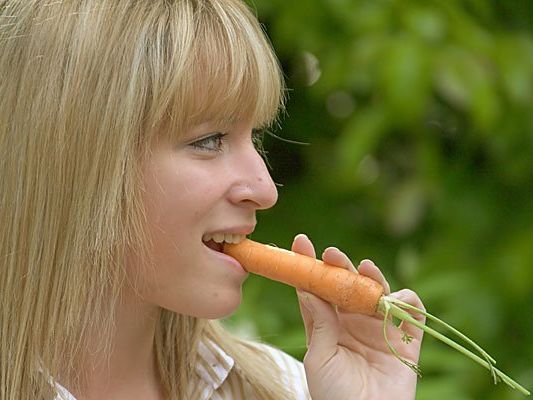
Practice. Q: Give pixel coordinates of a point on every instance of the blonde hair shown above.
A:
(84, 87)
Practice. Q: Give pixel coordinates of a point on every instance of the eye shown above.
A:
(212, 143)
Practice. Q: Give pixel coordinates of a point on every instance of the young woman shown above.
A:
(126, 148)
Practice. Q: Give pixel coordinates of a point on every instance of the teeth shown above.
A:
(224, 237)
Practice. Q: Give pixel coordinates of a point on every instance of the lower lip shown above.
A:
(228, 259)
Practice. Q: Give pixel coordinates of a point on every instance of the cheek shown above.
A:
(173, 197)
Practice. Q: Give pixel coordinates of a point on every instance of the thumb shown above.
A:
(324, 327)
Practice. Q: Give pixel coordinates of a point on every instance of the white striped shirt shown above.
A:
(218, 382)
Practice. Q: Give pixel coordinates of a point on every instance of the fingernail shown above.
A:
(330, 249)
(300, 235)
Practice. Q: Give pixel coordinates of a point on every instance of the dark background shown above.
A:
(418, 123)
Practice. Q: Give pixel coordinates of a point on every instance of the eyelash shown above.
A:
(214, 142)
(206, 144)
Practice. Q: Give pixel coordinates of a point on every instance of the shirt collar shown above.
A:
(214, 364)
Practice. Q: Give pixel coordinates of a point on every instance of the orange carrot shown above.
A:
(355, 293)
(347, 289)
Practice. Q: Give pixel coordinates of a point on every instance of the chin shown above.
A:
(224, 307)
(210, 303)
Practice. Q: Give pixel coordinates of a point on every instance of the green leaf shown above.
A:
(405, 79)
(360, 138)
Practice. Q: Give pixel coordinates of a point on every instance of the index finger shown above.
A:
(334, 256)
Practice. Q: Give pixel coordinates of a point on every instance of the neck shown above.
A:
(129, 370)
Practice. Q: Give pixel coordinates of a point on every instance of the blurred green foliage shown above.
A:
(418, 120)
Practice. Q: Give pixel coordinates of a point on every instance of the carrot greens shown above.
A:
(391, 307)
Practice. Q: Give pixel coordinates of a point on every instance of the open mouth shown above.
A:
(216, 241)
(214, 245)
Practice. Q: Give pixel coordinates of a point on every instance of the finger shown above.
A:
(324, 329)
(334, 256)
(320, 318)
(368, 268)
(306, 316)
(410, 297)
(303, 245)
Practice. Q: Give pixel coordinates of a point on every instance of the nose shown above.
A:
(253, 186)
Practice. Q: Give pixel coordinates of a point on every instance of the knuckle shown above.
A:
(320, 326)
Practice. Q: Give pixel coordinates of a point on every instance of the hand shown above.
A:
(347, 357)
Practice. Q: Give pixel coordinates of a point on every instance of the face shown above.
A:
(209, 183)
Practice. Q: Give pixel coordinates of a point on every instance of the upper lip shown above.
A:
(236, 230)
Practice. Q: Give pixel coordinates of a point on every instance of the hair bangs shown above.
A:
(233, 74)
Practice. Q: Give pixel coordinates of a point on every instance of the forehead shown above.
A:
(232, 73)
(220, 68)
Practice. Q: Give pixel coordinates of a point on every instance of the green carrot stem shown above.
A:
(404, 305)
(403, 315)
(413, 366)
(458, 333)
(388, 307)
